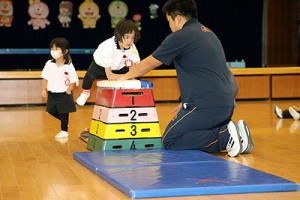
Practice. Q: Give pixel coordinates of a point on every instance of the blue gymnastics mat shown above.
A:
(167, 173)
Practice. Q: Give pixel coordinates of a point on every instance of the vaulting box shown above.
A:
(122, 115)
(95, 143)
(125, 130)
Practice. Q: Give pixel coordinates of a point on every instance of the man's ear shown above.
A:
(177, 18)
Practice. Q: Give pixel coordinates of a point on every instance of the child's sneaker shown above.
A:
(62, 134)
(82, 98)
(246, 139)
(278, 112)
(294, 113)
(62, 140)
(234, 146)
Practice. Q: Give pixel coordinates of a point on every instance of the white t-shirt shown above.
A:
(59, 78)
(108, 55)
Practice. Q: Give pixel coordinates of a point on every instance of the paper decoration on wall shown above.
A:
(6, 13)
(137, 20)
(38, 12)
(65, 13)
(89, 14)
(118, 10)
(153, 11)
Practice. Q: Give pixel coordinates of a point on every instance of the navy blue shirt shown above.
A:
(198, 56)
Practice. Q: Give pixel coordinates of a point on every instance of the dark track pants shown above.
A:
(202, 129)
(97, 72)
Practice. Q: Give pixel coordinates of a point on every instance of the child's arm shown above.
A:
(44, 88)
(70, 88)
(108, 73)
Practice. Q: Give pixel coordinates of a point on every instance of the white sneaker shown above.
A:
(278, 112)
(234, 146)
(246, 139)
(62, 134)
(62, 140)
(294, 113)
(82, 98)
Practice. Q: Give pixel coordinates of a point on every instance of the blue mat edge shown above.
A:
(290, 186)
(211, 191)
(155, 193)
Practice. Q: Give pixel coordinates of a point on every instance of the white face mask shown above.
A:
(56, 54)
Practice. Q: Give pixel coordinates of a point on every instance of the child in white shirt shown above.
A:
(113, 56)
(59, 79)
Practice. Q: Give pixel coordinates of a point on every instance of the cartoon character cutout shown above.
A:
(65, 13)
(137, 20)
(38, 12)
(89, 14)
(118, 10)
(6, 13)
(153, 11)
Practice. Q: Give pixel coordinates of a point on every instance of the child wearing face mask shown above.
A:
(59, 79)
(113, 56)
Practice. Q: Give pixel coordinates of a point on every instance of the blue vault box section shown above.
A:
(167, 173)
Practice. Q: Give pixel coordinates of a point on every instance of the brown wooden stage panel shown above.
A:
(24, 87)
(21, 91)
(165, 89)
(253, 87)
(285, 86)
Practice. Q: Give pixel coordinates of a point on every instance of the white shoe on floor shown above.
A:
(62, 134)
(278, 112)
(62, 140)
(234, 145)
(82, 98)
(246, 139)
(294, 113)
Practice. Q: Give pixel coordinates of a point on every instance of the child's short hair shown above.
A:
(126, 26)
(64, 45)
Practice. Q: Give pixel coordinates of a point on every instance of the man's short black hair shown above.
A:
(185, 8)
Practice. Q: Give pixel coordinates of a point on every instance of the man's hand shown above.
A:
(116, 77)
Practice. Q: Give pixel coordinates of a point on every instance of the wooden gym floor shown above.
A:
(35, 166)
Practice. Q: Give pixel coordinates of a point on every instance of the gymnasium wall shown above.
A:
(238, 24)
